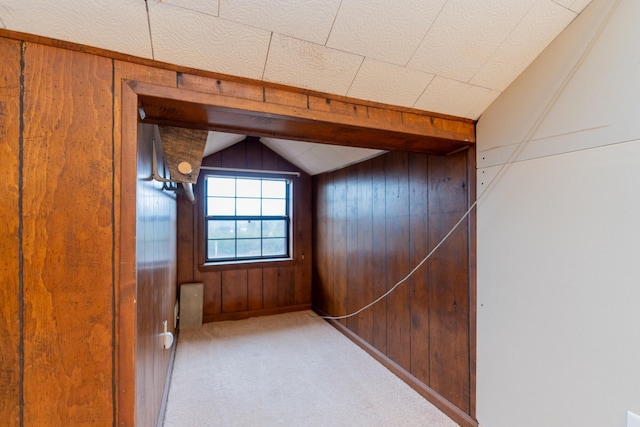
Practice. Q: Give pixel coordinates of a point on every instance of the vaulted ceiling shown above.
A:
(444, 56)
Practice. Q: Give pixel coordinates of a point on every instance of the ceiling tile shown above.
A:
(381, 29)
(118, 25)
(465, 35)
(308, 20)
(321, 158)
(388, 83)
(298, 63)
(218, 141)
(210, 7)
(316, 158)
(482, 104)
(452, 97)
(198, 40)
(574, 5)
(290, 150)
(536, 30)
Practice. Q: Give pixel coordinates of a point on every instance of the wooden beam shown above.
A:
(384, 129)
(183, 145)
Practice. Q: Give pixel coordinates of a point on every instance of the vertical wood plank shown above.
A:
(286, 286)
(419, 282)
(379, 246)
(398, 239)
(365, 248)
(471, 233)
(339, 248)
(68, 278)
(303, 229)
(234, 156)
(10, 272)
(403, 202)
(254, 149)
(354, 282)
(448, 281)
(329, 255)
(254, 289)
(320, 291)
(234, 291)
(270, 287)
(212, 293)
(186, 233)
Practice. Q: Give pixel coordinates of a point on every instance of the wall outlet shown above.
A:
(633, 420)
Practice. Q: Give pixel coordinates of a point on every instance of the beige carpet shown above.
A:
(291, 369)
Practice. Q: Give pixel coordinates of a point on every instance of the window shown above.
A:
(246, 218)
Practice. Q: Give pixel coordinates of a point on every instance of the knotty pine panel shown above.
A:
(403, 202)
(67, 238)
(10, 272)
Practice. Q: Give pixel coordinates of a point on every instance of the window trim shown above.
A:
(244, 262)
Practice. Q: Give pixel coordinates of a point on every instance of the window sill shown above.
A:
(245, 265)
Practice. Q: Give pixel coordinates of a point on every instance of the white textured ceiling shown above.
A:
(444, 56)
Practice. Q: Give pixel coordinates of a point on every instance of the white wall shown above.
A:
(559, 232)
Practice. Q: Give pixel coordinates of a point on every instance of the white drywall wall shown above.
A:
(558, 341)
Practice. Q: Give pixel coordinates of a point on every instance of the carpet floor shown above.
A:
(290, 369)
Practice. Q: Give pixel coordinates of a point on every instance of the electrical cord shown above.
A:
(510, 160)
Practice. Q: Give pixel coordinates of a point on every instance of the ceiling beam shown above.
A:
(260, 111)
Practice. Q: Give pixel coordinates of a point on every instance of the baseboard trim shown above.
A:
(167, 382)
(239, 315)
(452, 411)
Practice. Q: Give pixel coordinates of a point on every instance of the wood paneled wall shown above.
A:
(67, 238)
(68, 160)
(373, 223)
(238, 290)
(156, 268)
(11, 288)
(59, 160)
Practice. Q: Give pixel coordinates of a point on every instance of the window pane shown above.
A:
(221, 249)
(248, 188)
(217, 186)
(273, 247)
(274, 189)
(220, 206)
(248, 207)
(249, 248)
(274, 207)
(275, 228)
(222, 229)
(248, 229)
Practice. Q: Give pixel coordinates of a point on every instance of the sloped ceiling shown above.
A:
(445, 56)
